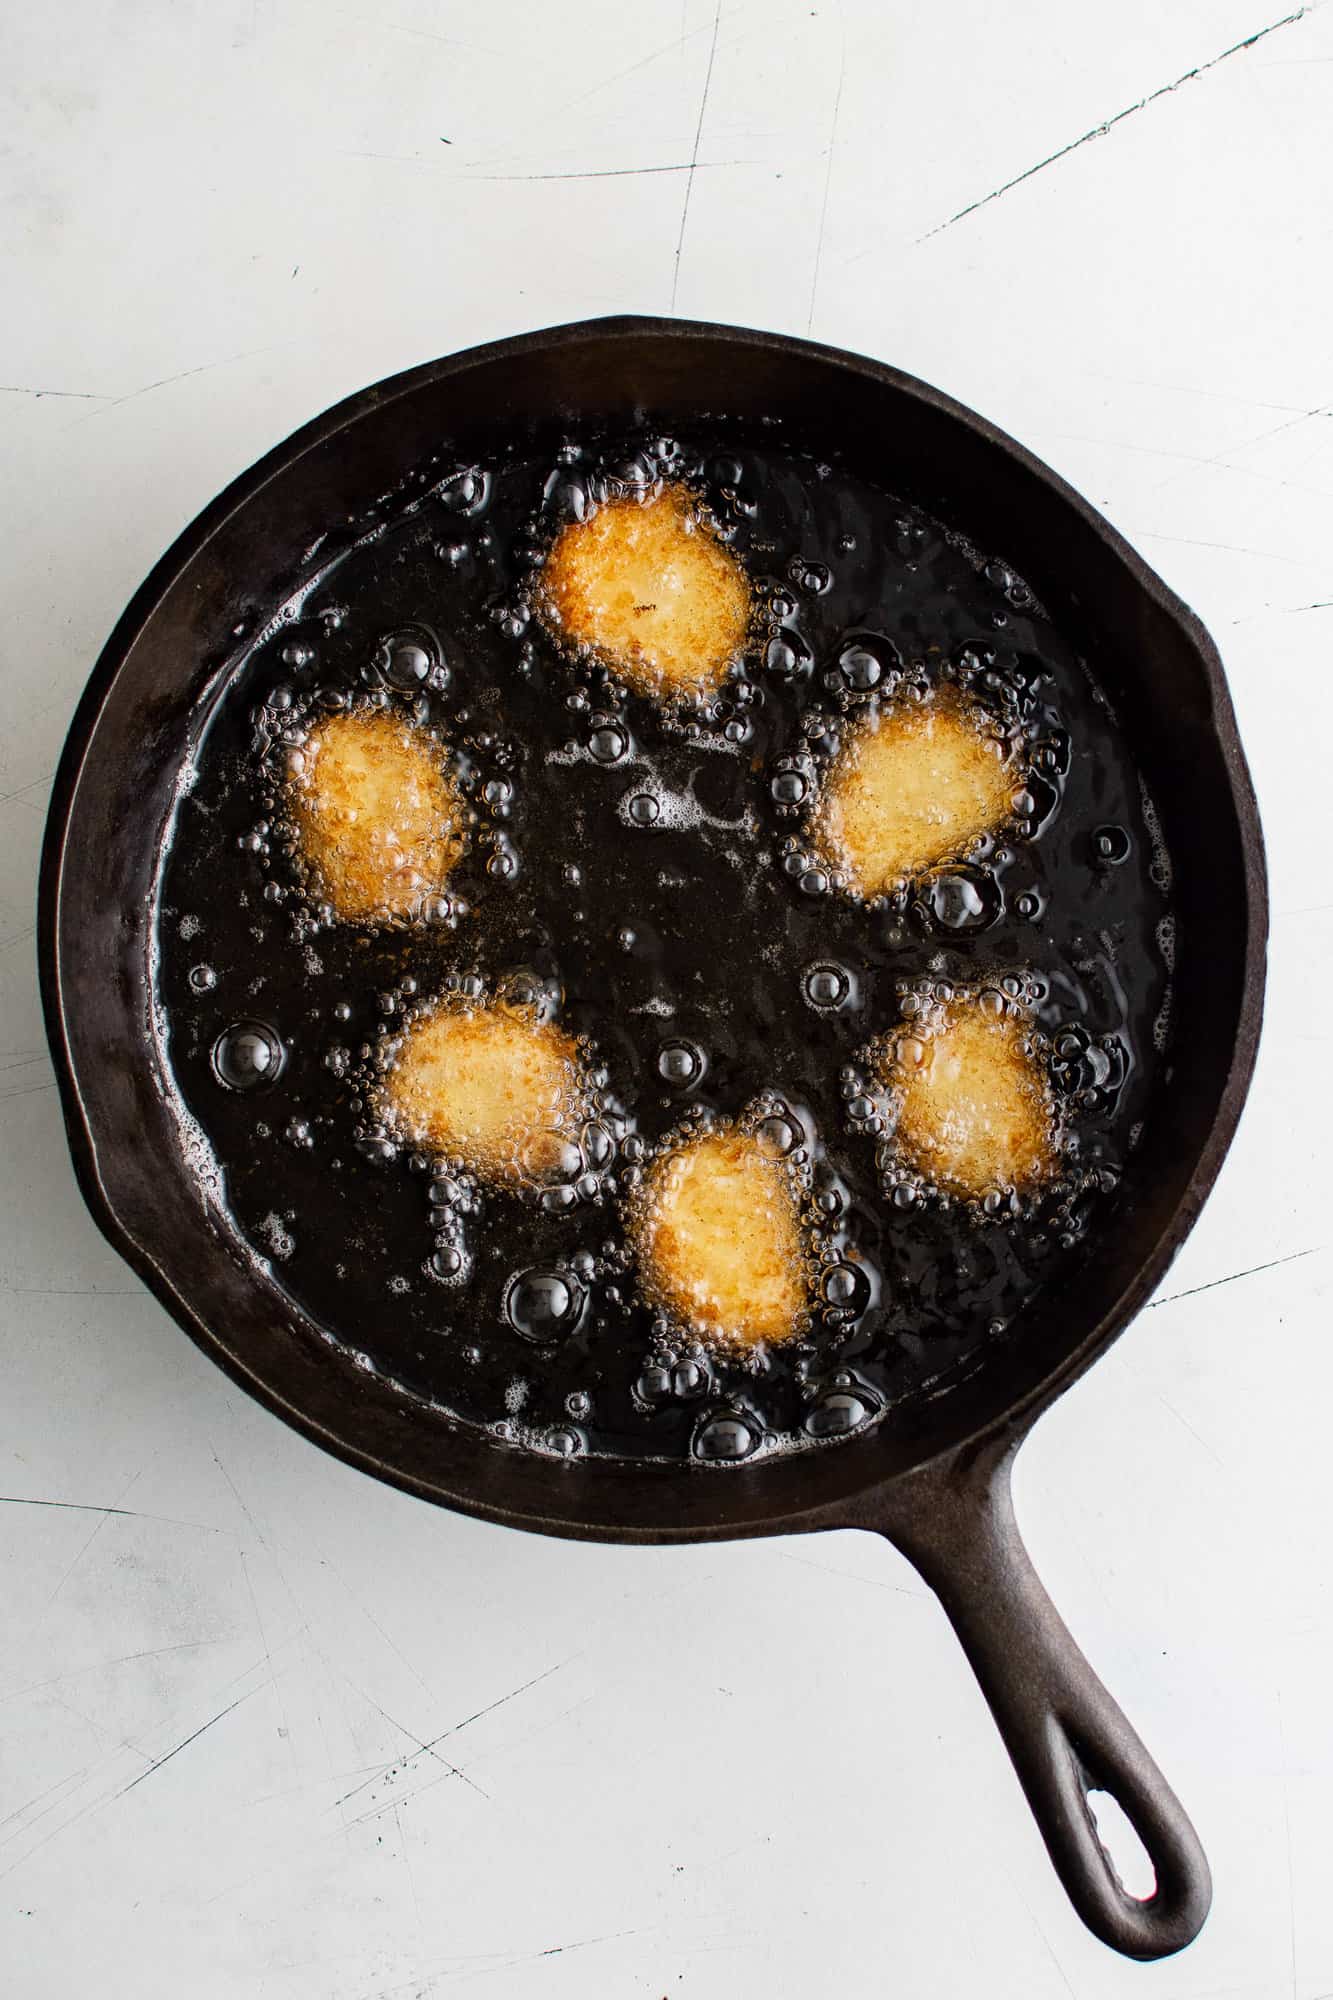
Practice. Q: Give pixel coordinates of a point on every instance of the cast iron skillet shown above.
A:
(939, 1489)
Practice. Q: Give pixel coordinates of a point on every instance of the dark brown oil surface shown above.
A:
(698, 922)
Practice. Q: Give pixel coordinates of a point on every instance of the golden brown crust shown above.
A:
(912, 786)
(717, 1229)
(490, 1085)
(378, 816)
(647, 587)
(974, 1109)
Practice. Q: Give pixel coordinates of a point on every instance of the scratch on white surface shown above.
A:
(1287, 611)
(165, 381)
(1050, 1948)
(694, 156)
(271, 1553)
(574, 174)
(184, 1744)
(84, 1292)
(1185, 1424)
(1252, 1272)
(85, 1546)
(411, 1878)
(31, 786)
(1192, 458)
(110, 1798)
(1247, 444)
(1100, 131)
(65, 395)
(377, 1811)
(849, 1576)
(561, 111)
(454, 1729)
(87, 1507)
(421, 1748)
(1193, 389)
(478, 1965)
(105, 1666)
(1227, 548)
(828, 178)
(424, 34)
(616, 173)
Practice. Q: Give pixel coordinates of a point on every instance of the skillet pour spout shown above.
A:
(937, 1482)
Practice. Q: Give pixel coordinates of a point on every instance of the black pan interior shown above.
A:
(144, 705)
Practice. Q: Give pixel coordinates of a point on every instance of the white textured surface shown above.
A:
(745, 1770)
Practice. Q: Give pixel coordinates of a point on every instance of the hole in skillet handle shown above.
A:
(1125, 1853)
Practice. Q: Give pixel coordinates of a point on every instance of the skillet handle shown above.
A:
(1065, 1734)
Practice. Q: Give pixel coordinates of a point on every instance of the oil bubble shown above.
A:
(467, 493)
(826, 986)
(579, 1403)
(846, 1288)
(813, 882)
(723, 1439)
(544, 1306)
(248, 1056)
(680, 1064)
(406, 658)
(865, 661)
(837, 1414)
(1111, 846)
(564, 1443)
(643, 809)
(964, 900)
(778, 1136)
(609, 744)
(689, 1379)
(788, 655)
(790, 788)
(202, 978)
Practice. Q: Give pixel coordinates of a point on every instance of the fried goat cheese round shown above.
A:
(973, 1104)
(912, 786)
(648, 589)
(717, 1230)
(378, 817)
(493, 1086)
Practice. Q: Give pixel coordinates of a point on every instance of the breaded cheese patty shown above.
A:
(493, 1086)
(974, 1110)
(647, 587)
(378, 816)
(717, 1230)
(912, 786)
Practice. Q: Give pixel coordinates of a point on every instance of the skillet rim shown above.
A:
(1015, 1418)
